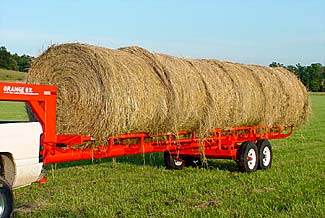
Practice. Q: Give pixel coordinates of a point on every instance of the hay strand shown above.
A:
(104, 92)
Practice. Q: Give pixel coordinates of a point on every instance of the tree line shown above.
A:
(14, 61)
(312, 76)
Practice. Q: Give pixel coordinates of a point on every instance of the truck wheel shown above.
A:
(173, 162)
(247, 157)
(6, 199)
(265, 154)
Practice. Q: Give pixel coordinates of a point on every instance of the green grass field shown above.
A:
(293, 187)
(12, 111)
(10, 75)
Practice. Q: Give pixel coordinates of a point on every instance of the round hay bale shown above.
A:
(104, 92)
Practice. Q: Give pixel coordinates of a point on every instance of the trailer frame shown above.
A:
(56, 148)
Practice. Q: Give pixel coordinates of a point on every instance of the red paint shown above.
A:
(219, 143)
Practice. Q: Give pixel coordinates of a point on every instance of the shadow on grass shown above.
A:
(225, 165)
(151, 159)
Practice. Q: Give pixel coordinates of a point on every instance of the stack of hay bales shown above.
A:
(104, 92)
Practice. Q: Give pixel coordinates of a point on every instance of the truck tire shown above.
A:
(265, 154)
(247, 157)
(172, 162)
(6, 199)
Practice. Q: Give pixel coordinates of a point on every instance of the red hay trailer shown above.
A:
(249, 146)
(241, 144)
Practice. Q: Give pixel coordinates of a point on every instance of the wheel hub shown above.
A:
(266, 156)
(251, 158)
(178, 163)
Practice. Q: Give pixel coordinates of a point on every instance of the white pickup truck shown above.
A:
(20, 163)
(22, 143)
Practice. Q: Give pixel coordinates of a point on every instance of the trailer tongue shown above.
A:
(248, 145)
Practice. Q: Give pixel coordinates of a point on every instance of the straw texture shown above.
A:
(104, 92)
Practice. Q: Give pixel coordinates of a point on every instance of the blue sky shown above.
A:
(251, 31)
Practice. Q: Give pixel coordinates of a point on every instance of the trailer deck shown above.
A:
(242, 144)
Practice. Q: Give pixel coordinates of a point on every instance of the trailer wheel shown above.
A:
(247, 157)
(265, 154)
(6, 199)
(193, 161)
(173, 162)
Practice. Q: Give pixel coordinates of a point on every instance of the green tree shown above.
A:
(314, 72)
(23, 62)
(293, 69)
(276, 64)
(323, 79)
(6, 60)
(313, 76)
(301, 72)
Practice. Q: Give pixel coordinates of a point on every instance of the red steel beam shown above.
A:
(216, 146)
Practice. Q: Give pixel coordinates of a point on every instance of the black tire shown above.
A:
(265, 154)
(247, 157)
(172, 162)
(193, 161)
(6, 199)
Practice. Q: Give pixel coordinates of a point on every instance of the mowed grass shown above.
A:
(293, 187)
(11, 75)
(10, 110)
